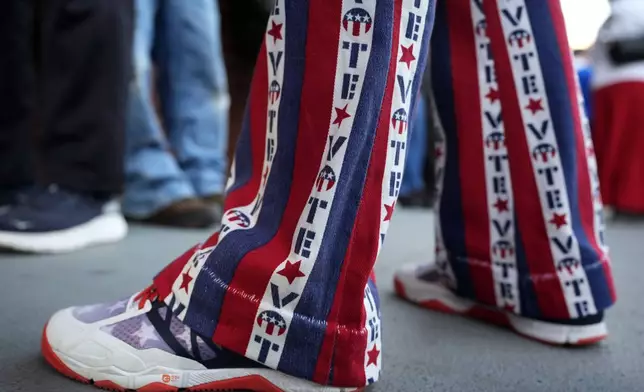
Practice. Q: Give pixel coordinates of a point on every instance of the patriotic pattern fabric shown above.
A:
(520, 216)
(287, 280)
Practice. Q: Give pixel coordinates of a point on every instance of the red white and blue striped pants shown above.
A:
(287, 280)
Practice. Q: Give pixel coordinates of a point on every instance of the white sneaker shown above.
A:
(422, 284)
(51, 220)
(138, 344)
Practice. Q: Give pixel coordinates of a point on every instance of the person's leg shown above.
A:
(285, 283)
(156, 188)
(194, 91)
(412, 190)
(18, 98)
(84, 74)
(520, 225)
(86, 69)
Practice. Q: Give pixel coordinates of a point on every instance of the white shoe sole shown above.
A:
(439, 298)
(106, 228)
(84, 353)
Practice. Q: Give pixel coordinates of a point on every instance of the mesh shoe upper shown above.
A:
(158, 328)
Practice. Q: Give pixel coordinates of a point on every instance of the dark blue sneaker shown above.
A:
(138, 344)
(9, 197)
(52, 220)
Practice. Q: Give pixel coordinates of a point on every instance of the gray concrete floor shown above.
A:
(424, 351)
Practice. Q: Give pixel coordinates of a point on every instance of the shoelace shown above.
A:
(149, 294)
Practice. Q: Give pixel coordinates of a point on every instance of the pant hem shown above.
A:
(484, 268)
(227, 326)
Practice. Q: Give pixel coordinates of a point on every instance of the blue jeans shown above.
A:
(413, 178)
(187, 156)
(585, 75)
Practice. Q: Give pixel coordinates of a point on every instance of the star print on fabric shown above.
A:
(535, 105)
(275, 31)
(407, 55)
(501, 205)
(145, 334)
(389, 211)
(509, 308)
(438, 152)
(291, 271)
(341, 115)
(559, 220)
(373, 356)
(493, 95)
(186, 279)
(185, 337)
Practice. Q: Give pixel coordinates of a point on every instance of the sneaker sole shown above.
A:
(103, 229)
(438, 298)
(208, 380)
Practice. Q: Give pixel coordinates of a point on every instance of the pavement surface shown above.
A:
(424, 351)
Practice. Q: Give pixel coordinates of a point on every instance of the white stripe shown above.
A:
(395, 161)
(503, 261)
(573, 278)
(374, 346)
(322, 215)
(233, 174)
(393, 168)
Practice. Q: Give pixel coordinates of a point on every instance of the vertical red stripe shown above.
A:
(258, 112)
(256, 268)
(530, 218)
(586, 209)
(469, 128)
(348, 313)
(165, 279)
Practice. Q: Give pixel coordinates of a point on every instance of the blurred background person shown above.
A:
(413, 190)
(176, 165)
(417, 188)
(584, 70)
(65, 63)
(618, 84)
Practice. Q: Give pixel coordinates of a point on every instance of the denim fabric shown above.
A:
(186, 156)
(413, 178)
(585, 74)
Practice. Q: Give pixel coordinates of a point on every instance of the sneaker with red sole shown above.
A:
(138, 344)
(423, 285)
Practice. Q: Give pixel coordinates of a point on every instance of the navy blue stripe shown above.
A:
(423, 57)
(527, 294)
(243, 154)
(451, 213)
(212, 282)
(317, 297)
(422, 62)
(561, 109)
